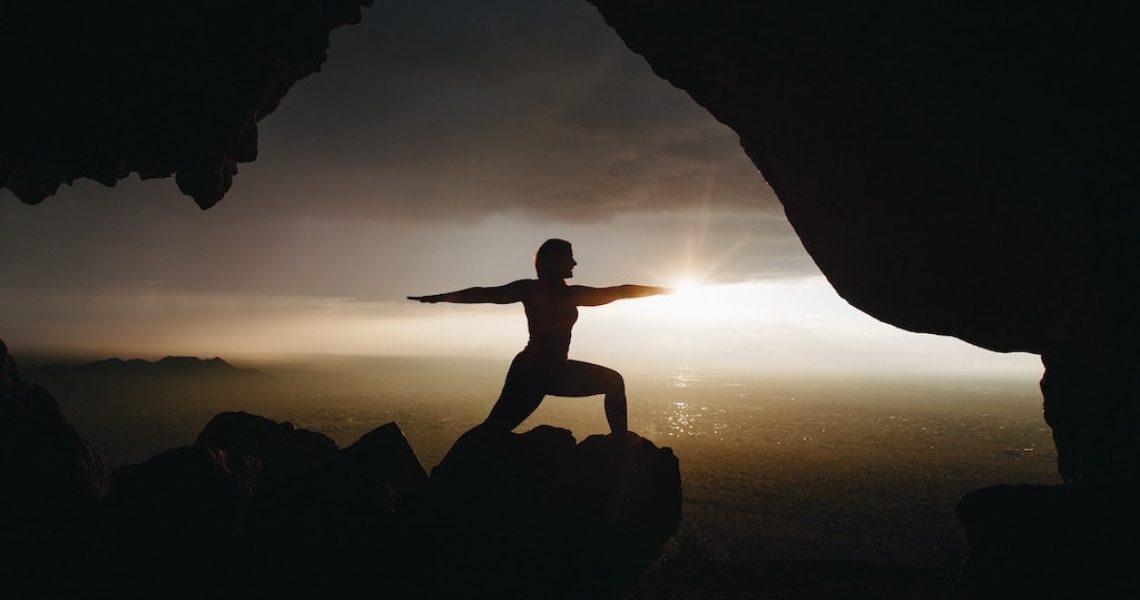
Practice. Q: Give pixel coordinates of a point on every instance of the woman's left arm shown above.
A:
(591, 296)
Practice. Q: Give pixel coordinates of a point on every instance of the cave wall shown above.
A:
(952, 169)
(154, 87)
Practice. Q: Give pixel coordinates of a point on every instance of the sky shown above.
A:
(439, 146)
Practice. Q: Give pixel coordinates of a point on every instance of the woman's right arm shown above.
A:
(503, 294)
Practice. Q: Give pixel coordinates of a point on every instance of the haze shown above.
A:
(440, 145)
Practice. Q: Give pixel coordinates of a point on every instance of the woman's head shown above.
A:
(554, 259)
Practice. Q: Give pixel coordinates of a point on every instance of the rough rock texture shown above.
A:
(280, 453)
(534, 515)
(50, 474)
(958, 169)
(385, 455)
(178, 517)
(1021, 548)
(964, 170)
(179, 494)
(51, 483)
(257, 508)
(157, 87)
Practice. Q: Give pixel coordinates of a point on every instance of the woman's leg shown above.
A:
(578, 379)
(522, 392)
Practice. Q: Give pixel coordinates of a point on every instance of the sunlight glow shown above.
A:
(761, 327)
(685, 285)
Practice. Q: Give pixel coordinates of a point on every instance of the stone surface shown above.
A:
(50, 473)
(534, 515)
(964, 170)
(52, 484)
(257, 508)
(281, 451)
(952, 169)
(187, 494)
(384, 454)
(158, 88)
(1074, 540)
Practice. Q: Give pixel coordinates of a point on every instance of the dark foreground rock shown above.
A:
(1076, 540)
(534, 515)
(257, 508)
(51, 484)
(57, 474)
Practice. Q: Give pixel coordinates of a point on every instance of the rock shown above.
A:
(384, 454)
(180, 516)
(491, 467)
(52, 484)
(1075, 540)
(50, 473)
(184, 493)
(1092, 404)
(262, 509)
(982, 190)
(327, 513)
(533, 514)
(9, 372)
(623, 497)
(257, 508)
(350, 499)
(165, 87)
(282, 452)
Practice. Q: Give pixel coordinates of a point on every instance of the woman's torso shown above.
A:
(550, 315)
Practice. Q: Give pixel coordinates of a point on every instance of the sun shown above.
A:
(685, 285)
(689, 299)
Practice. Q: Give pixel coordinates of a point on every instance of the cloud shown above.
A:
(459, 110)
(441, 143)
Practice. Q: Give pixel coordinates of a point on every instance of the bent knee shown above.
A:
(615, 381)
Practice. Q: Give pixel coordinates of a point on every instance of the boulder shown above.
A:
(622, 495)
(177, 517)
(52, 484)
(51, 474)
(262, 509)
(257, 507)
(183, 493)
(282, 452)
(384, 454)
(1075, 540)
(536, 515)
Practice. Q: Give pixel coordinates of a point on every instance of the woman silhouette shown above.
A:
(551, 310)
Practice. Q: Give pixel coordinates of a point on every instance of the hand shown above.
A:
(427, 299)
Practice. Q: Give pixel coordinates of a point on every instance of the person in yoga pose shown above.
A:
(543, 367)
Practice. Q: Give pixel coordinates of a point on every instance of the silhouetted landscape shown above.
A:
(854, 187)
(127, 372)
(823, 488)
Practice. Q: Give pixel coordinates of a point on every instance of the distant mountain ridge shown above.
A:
(169, 366)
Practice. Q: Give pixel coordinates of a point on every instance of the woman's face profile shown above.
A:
(566, 264)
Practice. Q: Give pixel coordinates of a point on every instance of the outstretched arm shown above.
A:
(591, 296)
(503, 294)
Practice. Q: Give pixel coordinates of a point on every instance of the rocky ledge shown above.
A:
(256, 508)
(1075, 540)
